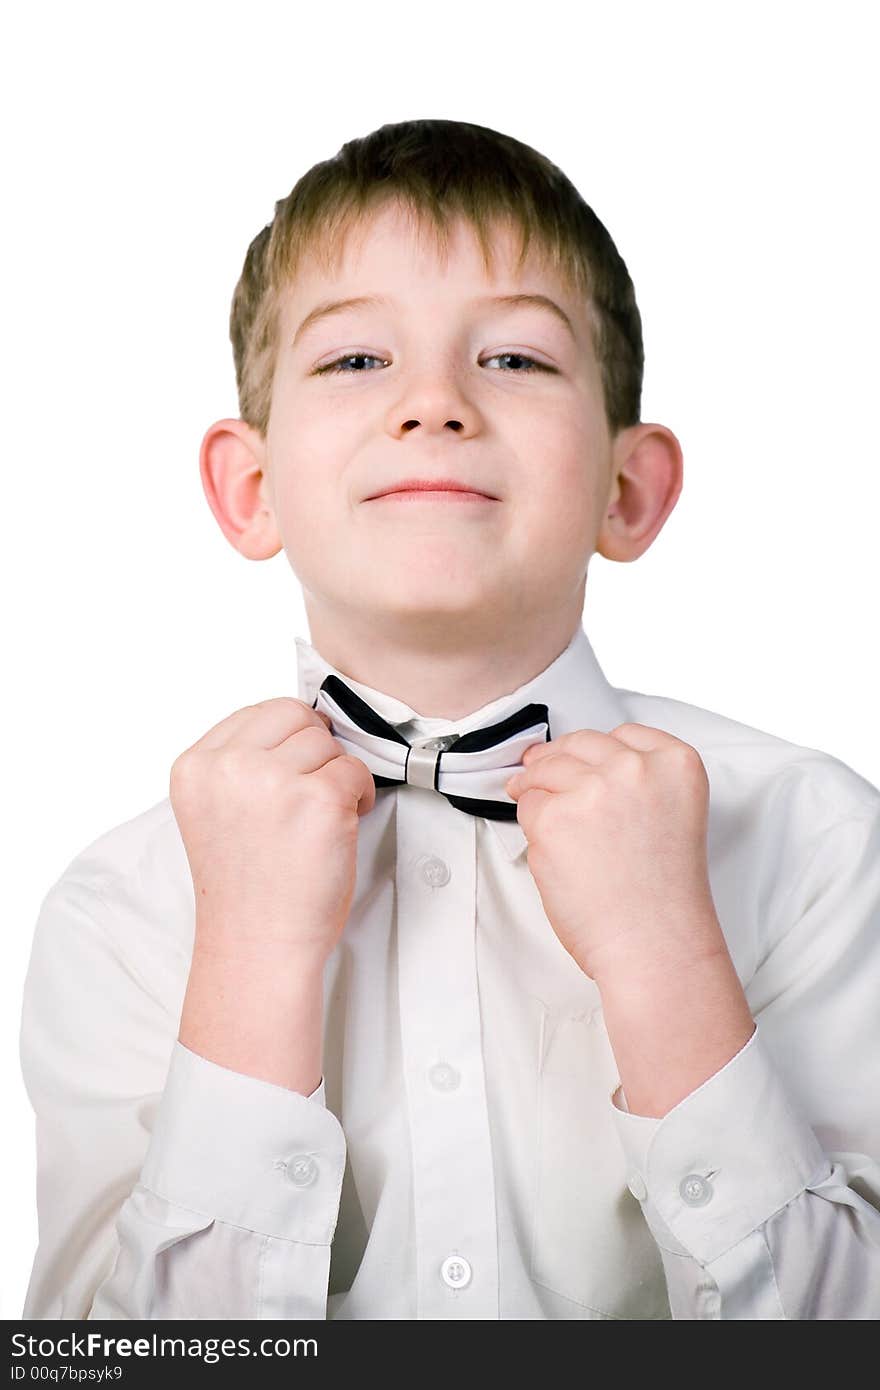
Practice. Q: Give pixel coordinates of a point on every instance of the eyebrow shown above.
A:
(336, 306)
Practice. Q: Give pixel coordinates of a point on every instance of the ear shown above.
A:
(646, 479)
(232, 466)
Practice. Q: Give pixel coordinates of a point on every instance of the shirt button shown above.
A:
(636, 1185)
(435, 872)
(302, 1170)
(696, 1191)
(443, 1077)
(456, 1271)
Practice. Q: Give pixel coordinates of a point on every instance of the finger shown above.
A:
(527, 807)
(315, 717)
(591, 745)
(354, 779)
(309, 748)
(643, 737)
(559, 772)
(265, 724)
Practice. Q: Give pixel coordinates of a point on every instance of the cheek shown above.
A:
(304, 501)
(564, 501)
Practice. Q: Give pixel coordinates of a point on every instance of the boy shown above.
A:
(446, 989)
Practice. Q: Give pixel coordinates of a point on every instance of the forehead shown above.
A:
(394, 250)
(394, 231)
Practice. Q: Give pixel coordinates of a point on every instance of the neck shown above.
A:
(444, 670)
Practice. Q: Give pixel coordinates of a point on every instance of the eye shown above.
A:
(534, 366)
(336, 367)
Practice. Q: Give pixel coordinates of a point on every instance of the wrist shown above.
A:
(670, 951)
(672, 1024)
(292, 960)
(257, 1014)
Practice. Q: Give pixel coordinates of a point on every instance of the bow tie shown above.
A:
(470, 770)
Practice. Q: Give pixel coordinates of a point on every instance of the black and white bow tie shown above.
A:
(470, 770)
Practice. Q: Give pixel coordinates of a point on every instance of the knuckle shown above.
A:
(186, 780)
(686, 753)
(316, 740)
(688, 760)
(630, 762)
(342, 769)
(359, 767)
(352, 762)
(230, 766)
(352, 771)
(299, 710)
(182, 768)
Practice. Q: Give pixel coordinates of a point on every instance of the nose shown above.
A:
(434, 401)
(413, 424)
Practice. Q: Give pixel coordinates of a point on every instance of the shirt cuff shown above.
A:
(246, 1151)
(724, 1159)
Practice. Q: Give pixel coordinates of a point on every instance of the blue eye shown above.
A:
(350, 357)
(336, 367)
(520, 357)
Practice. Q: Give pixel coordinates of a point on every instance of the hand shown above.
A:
(616, 825)
(268, 805)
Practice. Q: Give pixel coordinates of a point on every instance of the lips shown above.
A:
(431, 485)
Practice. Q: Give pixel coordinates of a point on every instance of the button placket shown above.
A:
(440, 1025)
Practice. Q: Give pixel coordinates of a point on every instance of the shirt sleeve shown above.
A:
(167, 1186)
(762, 1187)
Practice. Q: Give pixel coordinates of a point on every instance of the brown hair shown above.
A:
(439, 169)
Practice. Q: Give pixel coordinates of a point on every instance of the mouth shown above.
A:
(431, 489)
(458, 496)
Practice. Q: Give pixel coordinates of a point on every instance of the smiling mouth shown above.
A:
(432, 495)
(438, 487)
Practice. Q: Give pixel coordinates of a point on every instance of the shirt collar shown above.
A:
(573, 687)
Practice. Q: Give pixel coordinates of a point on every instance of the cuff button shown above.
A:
(695, 1191)
(302, 1170)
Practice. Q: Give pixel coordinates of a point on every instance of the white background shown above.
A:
(730, 148)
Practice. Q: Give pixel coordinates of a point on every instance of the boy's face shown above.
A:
(438, 382)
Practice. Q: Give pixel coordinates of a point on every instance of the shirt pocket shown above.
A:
(590, 1241)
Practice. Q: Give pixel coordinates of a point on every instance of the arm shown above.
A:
(784, 1137)
(165, 1184)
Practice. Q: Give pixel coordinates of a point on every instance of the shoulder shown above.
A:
(145, 847)
(126, 897)
(749, 765)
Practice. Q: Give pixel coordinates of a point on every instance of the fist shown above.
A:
(617, 830)
(268, 806)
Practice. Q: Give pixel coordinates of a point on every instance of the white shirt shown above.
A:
(467, 1153)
